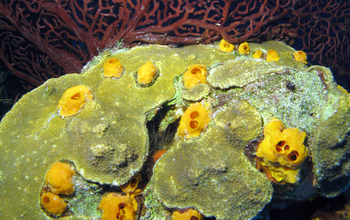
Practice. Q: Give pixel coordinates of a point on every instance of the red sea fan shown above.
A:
(48, 38)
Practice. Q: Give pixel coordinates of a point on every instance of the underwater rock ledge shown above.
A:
(96, 122)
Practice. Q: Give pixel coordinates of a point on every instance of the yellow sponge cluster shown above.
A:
(190, 214)
(194, 121)
(282, 151)
(59, 181)
(116, 206)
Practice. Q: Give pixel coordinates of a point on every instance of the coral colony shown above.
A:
(157, 132)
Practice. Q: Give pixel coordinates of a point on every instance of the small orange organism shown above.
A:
(190, 214)
(272, 55)
(59, 178)
(158, 154)
(131, 189)
(244, 48)
(146, 73)
(113, 68)
(194, 121)
(116, 207)
(73, 100)
(226, 46)
(300, 56)
(53, 203)
(194, 75)
(131, 186)
(282, 151)
(257, 54)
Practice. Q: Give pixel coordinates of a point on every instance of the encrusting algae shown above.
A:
(82, 157)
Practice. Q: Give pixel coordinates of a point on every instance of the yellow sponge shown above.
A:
(282, 151)
(53, 203)
(194, 121)
(226, 46)
(190, 214)
(257, 54)
(115, 206)
(244, 48)
(272, 56)
(300, 56)
(59, 178)
(113, 68)
(146, 73)
(194, 75)
(74, 99)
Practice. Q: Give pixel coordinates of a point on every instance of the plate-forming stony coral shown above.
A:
(108, 141)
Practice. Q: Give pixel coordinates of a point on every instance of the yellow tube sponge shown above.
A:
(194, 121)
(131, 186)
(244, 48)
(257, 54)
(73, 100)
(282, 151)
(300, 56)
(146, 73)
(194, 75)
(113, 68)
(59, 178)
(190, 214)
(116, 207)
(272, 55)
(226, 46)
(53, 203)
